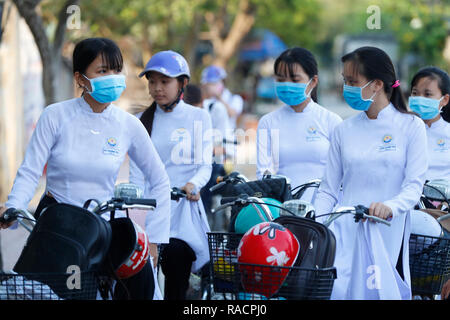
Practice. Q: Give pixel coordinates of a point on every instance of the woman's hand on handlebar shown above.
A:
(380, 210)
(191, 195)
(7, 224)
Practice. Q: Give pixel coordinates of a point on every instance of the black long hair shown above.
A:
(373, 63)
(443, 81)
(302, 57)
(88, 49)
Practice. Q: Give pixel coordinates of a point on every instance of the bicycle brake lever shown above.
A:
(360, 212)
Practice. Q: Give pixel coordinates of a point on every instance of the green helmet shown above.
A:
(249, 217)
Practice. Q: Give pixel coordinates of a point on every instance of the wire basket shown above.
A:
(429, 260)
(50, 286)
(229, 276)
(262, 282)
(223, 254)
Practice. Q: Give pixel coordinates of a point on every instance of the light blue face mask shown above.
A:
(426, 108)
(353, 97)
(107, 89)
(292, 93)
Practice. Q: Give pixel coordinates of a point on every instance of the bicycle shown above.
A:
(74, 285)
(303, 283)
(430, 257)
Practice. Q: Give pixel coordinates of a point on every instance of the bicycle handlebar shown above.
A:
(10, 215)
(233, 177)
(25, 218)
(28, 221)
(177, 194)
(124, 204)
(359, 212)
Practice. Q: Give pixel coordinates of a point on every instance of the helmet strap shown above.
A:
(170, 106)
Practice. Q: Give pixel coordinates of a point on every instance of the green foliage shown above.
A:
(296, 22)
(420, 26)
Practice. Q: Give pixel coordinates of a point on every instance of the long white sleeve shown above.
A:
(136, 176)
(36, 157)
(203, 146)
(415, 170)
(264, 157)
(147, 169)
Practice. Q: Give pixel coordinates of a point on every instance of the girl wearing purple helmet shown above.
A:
(180, 133)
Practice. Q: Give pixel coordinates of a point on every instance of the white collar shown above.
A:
(385, 113)
(309, 107)
(437, 124)
(85, 107)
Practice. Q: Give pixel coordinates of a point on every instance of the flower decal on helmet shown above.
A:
(271, 228)
(280, 258)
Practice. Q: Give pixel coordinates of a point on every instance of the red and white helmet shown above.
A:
(266, 244)
(131, 246)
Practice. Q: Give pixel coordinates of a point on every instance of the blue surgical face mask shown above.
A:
(353, 97)
(426, 108)
(107, 89)
(292, 93)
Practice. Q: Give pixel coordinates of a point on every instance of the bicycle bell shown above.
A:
(300, 208)
(128, 190)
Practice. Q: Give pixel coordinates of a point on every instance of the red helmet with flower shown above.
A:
(262, 251)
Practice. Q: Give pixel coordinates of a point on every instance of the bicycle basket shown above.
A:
(223, 253)
(257, 282)
(429, 261)
(81, 286)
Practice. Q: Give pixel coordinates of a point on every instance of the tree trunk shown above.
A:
(225, 48)
(50, 53)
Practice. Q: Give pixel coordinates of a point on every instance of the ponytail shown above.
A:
(147, 118)
(398, 100)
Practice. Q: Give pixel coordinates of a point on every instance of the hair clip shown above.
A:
(396, 84)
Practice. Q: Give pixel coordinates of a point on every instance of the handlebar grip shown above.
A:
(362, 209)
(177, 194)
(377, 219)
(9, 215)
(144, 202)
(226, 200)
(365, 211)
(217, 186)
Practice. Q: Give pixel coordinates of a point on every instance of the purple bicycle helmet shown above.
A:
(213, 74)
(169, 63)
